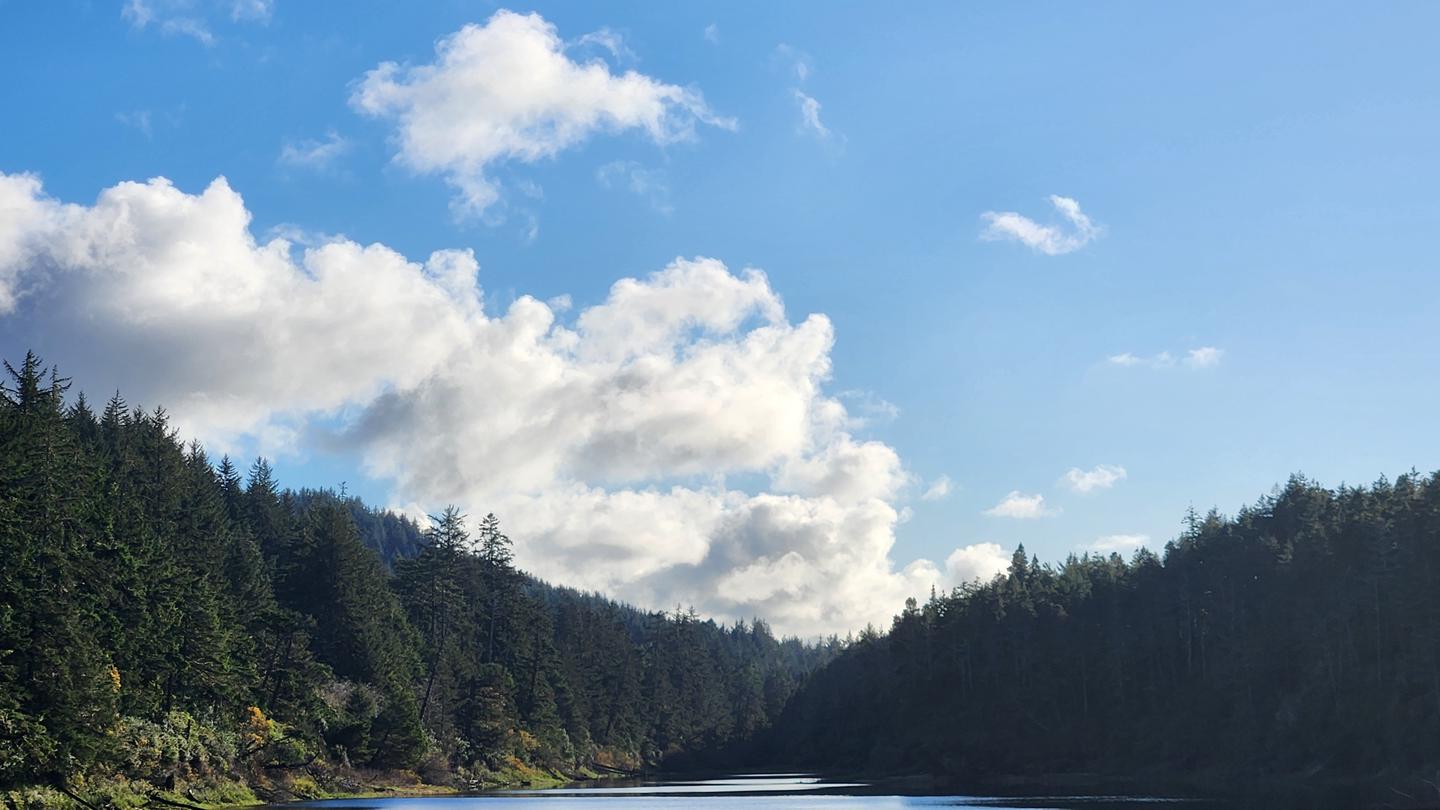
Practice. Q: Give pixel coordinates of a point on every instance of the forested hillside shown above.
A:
(169, 623)
(172, 629)
(1301, 637)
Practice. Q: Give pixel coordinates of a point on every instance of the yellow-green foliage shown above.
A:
(179, 745)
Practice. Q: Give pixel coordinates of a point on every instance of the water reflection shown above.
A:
(787, 791)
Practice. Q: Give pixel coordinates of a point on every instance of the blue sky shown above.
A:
(1260, 180)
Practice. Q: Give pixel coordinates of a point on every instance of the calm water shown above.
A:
(747, 792)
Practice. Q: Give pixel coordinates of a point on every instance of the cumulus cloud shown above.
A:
(711, 34)
(508, 91)
(1052, 240)
(1020, 506)
(938, 490)
(314, 154)
(981, 561)
(1118, 543)
(672, 444)
(1103, 476)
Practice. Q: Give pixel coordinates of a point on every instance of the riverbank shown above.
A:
(259, 787)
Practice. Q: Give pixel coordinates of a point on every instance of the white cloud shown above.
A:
(810, 116)
(313, 154)
(507, 91)
(1103, 476)
(1052, 240)
(143, 13)
(981, 561)
(193, 19)
(938, 490)
(1021, 507)
(650, 184)
(711, 34)
(1203, 357)
(613, 442)
(610, 41)
(1119, 542)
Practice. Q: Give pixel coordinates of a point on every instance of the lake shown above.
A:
(745, 792)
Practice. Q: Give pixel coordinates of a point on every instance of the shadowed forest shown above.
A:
(173, 629)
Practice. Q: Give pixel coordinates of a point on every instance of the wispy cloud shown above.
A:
(1103, 476)
(609, 40)
(313, 154)
(1202, 357)
(144, 13)
(939, 489)
(810, 116)
(256, 10)
(650, 184)
(1052, 240)
(872, 407)
(1020, 506)
(794, 61)
(1118, 542)
(711, 34)
(138, 120)
(800, 66)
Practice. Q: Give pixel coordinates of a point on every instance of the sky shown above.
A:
(781, 310)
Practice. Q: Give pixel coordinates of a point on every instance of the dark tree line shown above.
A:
(163, 613)
(1300, 637)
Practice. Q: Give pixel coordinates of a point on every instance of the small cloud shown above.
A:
(939, 489)
(510, 91)
(711, 34)
(1021, 507)
(142, 13)
(1118, 542)
(313, 154)
(795, 61)
(257, 10)
(810, 116)
(138, 120)
(609, 40)
(873, 407)
(1203, 357)
(1103, 476)
(189, 27)
(980, 561)
(631, 176)
(1052, 240)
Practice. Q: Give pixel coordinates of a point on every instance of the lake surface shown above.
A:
(747, 792)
